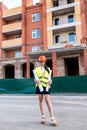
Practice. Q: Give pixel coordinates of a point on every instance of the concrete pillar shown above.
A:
(2, 72)
(18, 71)
(54, 63)
(85, 60)
(28, 67)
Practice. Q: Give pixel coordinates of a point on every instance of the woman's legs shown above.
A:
(49, 105)
(42, 107)
(41, 104)
(50, 108)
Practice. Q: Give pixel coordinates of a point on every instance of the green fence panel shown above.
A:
(66, 84)
(76, 84)
(17, 86)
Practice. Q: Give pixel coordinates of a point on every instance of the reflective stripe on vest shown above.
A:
(43, 78)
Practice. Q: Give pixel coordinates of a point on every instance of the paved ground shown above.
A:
(22, 112)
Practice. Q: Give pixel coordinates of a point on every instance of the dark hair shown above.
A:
(46, 67)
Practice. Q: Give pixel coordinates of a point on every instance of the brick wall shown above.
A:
(54, 63)
(83, 18)
(0, 29)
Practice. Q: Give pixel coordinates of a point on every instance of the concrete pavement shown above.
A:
(21, 112)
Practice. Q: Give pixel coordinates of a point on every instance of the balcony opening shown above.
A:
(9, 71)
(55, 3)
(70, 1)
(57, 21)
(49, 64)
(71, 66)
(57, 39)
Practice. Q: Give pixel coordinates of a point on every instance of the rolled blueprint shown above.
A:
(49, 78)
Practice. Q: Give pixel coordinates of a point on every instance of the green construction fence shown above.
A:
(66, 84)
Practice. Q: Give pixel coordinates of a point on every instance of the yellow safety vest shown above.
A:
(42, 77)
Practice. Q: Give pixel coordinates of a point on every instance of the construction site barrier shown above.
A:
(66, 84)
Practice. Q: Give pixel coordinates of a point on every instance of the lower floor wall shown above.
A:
(12, 68)
(62, 64)
(68, 84)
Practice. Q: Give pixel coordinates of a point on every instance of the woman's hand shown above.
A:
(37, 82)
(49, 82)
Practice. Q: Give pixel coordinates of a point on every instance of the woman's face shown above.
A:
(42, 63)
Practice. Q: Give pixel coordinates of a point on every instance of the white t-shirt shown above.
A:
(42, 70)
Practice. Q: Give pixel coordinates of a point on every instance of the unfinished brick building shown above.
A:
(54, 28)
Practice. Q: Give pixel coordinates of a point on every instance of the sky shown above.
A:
(11, 3)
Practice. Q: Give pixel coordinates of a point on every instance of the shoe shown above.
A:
(53, 121)
(43, 119)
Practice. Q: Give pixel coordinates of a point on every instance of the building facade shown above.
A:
(54, 28)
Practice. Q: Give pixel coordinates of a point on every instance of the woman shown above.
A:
(43, 81)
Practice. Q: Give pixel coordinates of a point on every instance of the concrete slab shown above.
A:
(21, 112)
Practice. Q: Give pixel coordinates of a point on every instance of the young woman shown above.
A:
(43, 81)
